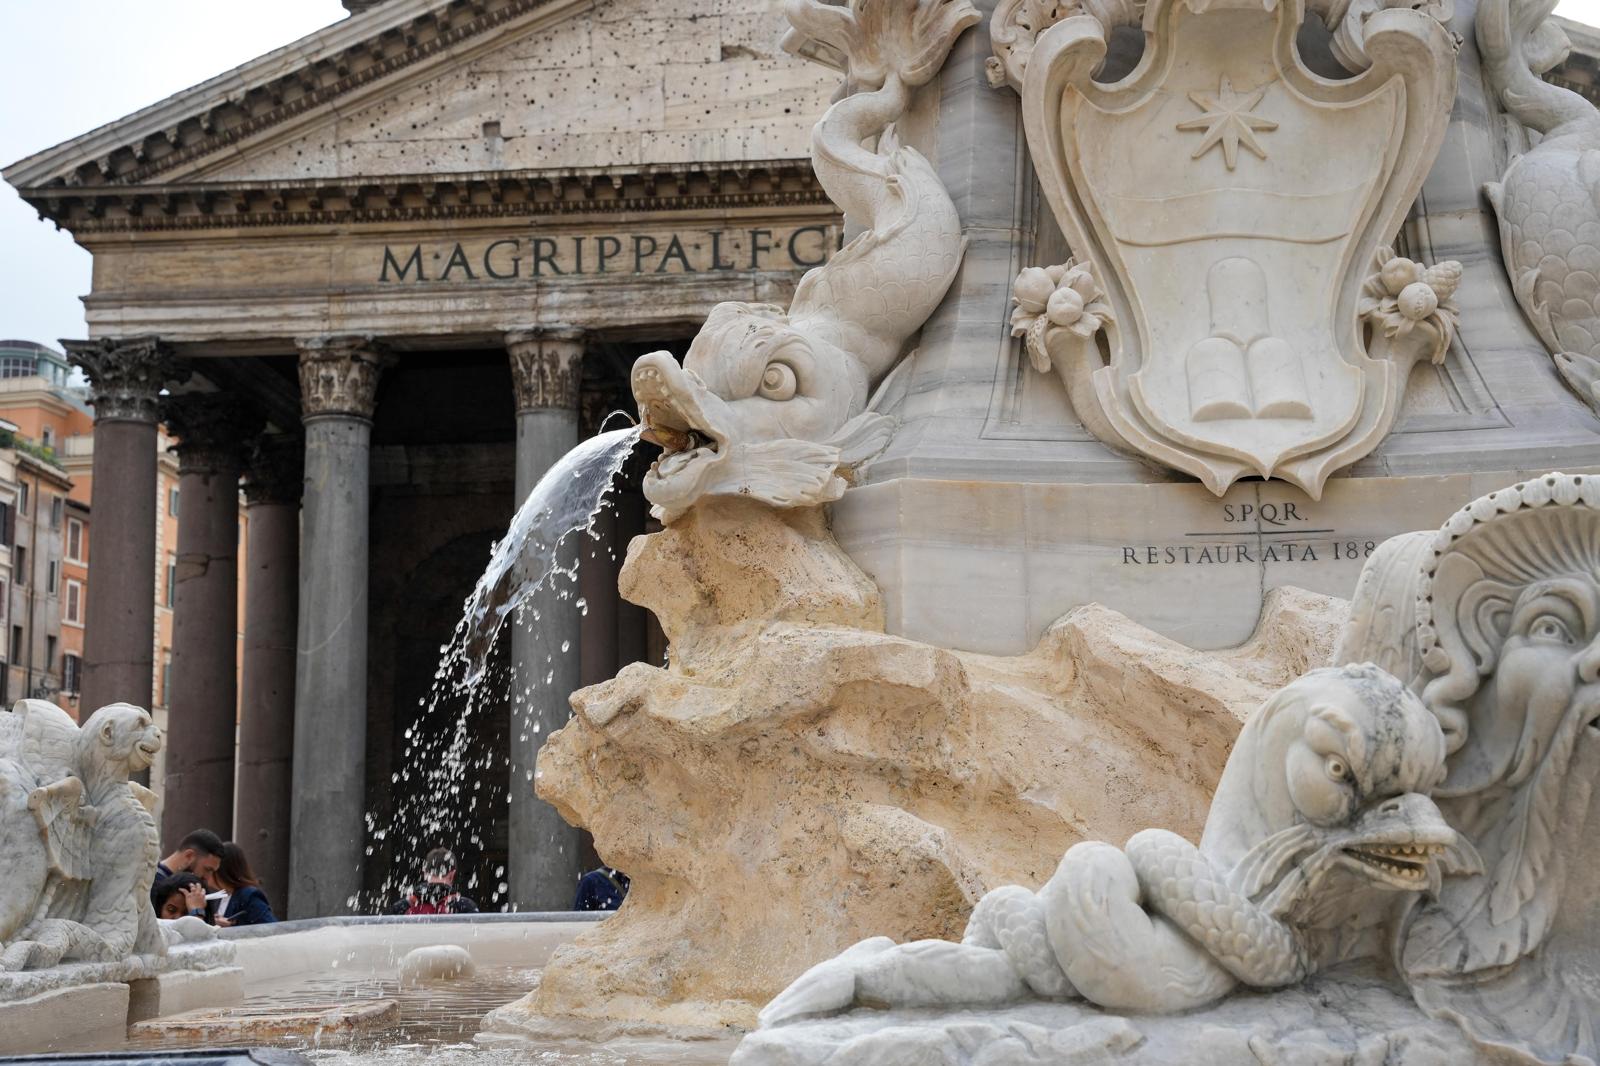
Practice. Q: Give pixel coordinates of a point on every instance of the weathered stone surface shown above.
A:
(796, 779)
(1311, 1025)
(328, 1021)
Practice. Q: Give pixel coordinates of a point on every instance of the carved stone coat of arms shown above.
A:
(1227, 207)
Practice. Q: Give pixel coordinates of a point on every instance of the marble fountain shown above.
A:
(1119, 612)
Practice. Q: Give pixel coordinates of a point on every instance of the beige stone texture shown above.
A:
(797, 780)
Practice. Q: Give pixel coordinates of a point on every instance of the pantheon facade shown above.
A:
(382, 278)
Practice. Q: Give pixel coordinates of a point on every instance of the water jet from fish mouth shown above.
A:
(443, 781)
(564, 502)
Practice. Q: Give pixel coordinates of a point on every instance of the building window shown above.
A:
(48, 437)
(13, 366)
(75, 543)
(19, 566)
(49, 653)
(5, 524)
(22, 498)
(57, 506)
(166, 681)
(52, 575)
(74, 606)
(172, 580)
(71, 673)
(172, 501)
(16, 644)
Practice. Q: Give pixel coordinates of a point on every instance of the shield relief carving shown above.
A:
(1232, 206)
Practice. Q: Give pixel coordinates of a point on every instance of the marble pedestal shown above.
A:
(994, 511)
(987, 566)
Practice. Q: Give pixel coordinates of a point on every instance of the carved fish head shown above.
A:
(759, 408)
(1344, 760)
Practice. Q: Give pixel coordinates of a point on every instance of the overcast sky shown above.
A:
(67, 66)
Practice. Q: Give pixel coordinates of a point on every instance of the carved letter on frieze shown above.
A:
(1231, 206)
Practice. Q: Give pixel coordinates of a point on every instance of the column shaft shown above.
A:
(202, 707)
(328, 830)
(119, 631)
(544, 850)
(266, 707)
(125, 378)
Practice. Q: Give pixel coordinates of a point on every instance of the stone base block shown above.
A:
(75, 1018)
(989, 566)
(184, 990)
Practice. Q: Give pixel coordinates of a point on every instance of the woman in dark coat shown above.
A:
(247, 904)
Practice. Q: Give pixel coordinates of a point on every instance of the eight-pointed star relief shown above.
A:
(1227, 121)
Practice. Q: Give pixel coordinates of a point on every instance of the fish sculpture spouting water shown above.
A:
(774, 404)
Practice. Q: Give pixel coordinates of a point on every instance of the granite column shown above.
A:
(546, 369)
(338, 389)
(125, 378)
(274, 479)
(203, 701)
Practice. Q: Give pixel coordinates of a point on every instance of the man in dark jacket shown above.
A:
(437, 893)
(199, 853)
(603, 889)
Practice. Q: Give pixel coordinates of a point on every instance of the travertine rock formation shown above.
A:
(797, 780)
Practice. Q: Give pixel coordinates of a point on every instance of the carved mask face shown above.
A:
(1547, 666)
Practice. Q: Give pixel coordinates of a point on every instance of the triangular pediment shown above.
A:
(472, 86)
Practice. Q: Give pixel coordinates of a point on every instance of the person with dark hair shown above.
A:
(198, 853)
(179, 895)
(437, 893)
(245, 904)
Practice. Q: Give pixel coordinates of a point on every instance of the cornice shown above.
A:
(430, 197)
(282, 85)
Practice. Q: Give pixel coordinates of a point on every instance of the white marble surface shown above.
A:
(988, 566)
(38, 1023)
(1231, 204)
(1352, 1018)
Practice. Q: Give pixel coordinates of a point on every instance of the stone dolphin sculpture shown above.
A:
(1320, 836)
(773, 404)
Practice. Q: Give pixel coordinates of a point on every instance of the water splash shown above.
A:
(452, 771)
(565, 501)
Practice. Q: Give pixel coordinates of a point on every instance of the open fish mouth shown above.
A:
(1401, 865)
(679, 415)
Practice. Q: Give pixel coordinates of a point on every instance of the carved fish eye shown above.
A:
(1337, 768)
(1552, 628)
(777, 381)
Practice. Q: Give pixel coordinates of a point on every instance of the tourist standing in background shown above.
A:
(245, 903)
(602, 889)
(198, 853)
(179, 895)
(437, 893)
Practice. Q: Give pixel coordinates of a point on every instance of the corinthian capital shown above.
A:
(211, 428)
(546, 368)
(339, 376)
(126, 376)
